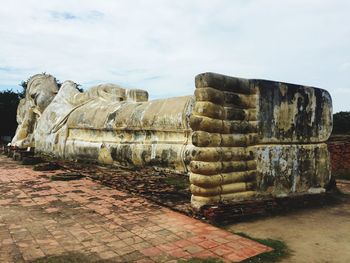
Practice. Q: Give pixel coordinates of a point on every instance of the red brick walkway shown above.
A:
(40, 217)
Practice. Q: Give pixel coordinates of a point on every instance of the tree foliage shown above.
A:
(8, 110)
(341, 122)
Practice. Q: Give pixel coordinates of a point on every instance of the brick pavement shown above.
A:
(40, 218)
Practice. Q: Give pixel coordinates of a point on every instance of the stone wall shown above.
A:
(339, 149)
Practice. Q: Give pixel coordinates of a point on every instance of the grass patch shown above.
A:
(280, 250)
(86, 161)
(180, 182)
(31, 160)
(198, 260)
(73, 257)
(65, 258)
(66, 176)
(343, 175)
(46, 167)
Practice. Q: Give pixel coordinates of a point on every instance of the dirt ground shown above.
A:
(313, 235)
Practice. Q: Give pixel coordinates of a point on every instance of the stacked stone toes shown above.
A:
(224, 124)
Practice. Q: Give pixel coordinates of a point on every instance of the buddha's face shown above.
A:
(41, 91)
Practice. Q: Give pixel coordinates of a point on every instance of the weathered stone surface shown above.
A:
(284, 169)
(263, 139)
(237, 139)
(291, 113)
(117, 128)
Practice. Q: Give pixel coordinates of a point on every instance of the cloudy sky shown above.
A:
(160, 45)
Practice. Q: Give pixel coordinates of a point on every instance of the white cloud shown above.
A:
(160, 45)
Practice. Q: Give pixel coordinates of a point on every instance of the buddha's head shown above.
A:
(41, 90)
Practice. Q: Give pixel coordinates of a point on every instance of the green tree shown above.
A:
(8, 110)
(341, 122)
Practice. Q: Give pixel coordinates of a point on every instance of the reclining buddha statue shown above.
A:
(237, 139)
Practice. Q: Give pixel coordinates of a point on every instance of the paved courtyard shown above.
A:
(40, 218)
